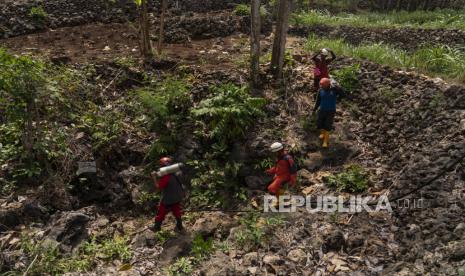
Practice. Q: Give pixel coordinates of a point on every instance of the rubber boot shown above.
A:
(326, 139)
(179, 226)
(156, 226)
(322, 134)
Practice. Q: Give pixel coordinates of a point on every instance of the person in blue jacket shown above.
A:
(326, 101)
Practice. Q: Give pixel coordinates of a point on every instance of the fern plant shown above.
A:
(229, 113)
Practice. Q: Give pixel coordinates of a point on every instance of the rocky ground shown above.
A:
(16, 17)
(404, 38)
(407, 130)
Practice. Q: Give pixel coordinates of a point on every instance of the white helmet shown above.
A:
(276, 146)
(324, 52)
(334, 83)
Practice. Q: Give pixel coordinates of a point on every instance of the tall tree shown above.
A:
(161, 35)
(280, 35)
(255, 43)
(144, 30)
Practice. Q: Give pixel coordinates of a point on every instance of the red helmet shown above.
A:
(165, 161)
(325, 83)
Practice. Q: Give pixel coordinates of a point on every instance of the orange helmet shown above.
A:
(165, 161)
(325, 83)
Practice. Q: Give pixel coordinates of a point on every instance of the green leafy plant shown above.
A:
(255, 228)
(347, 77)
(165, 104)
(264, 164)
(245, 10)
(182, 267)
(201, 247)
(163, 235)
(29, 141)
(353, 179)
(242, 10)
(101, 124)
(227, 115)
(38, 14)
(215, 184)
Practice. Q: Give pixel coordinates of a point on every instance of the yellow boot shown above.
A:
(326, 139)
(278, 194)
(322, 134)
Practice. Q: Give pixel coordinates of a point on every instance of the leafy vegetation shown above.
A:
(228, 113)
(38, 14)
(47, 259)
(441, 61)
(201, 248)
(184, 266)
(165, 104)
(255, 230)
(245, 10)
(353, 179)
(163, 235)
(215, 184)
(438, 19)
(30, 94)
(347, 77)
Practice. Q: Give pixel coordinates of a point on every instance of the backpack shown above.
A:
(292, 169)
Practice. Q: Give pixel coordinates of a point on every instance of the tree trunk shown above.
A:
(255, 43)
(280, 35)
(144, 28)
(161, 35)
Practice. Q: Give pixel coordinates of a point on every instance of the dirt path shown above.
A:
(106, 42)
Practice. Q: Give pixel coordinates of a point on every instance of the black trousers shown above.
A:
(325, 119)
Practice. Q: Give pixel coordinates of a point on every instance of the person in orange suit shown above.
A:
(285, 170)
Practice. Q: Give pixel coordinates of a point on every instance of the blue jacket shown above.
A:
(327, 98)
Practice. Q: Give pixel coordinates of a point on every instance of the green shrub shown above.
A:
(29, 98)
(103, 126)
(347, 77)
(215, 184)
(245, 10)
(38, 14)
(353, 179)
(227, 115)
(182, 267)
(166, 104)
(201, 248)
(242, 10)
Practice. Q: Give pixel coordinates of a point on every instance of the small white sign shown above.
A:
(87, 167)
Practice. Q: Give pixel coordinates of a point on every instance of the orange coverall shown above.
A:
(282, 175)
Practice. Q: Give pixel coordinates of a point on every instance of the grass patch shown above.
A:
(439, 61)
(444, 19)
(46, 259)
(353, 179)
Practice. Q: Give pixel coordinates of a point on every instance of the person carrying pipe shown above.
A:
(326, 102)
(284, 172)
(172, 193)
(321, 60)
